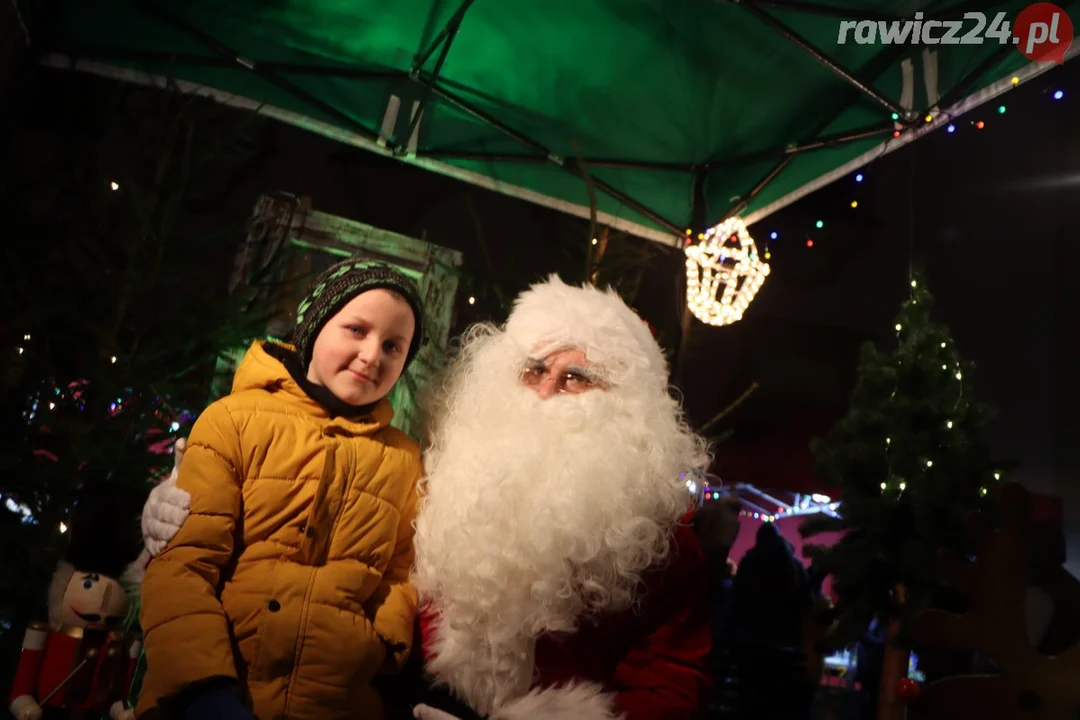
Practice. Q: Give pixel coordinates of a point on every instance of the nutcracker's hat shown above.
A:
(104, 534)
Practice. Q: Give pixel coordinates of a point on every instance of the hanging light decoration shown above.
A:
(723, 273)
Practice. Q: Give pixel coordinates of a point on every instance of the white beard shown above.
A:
(538, 513)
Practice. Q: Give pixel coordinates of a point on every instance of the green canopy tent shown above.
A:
(680, 112)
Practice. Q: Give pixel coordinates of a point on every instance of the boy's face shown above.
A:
(360, 352)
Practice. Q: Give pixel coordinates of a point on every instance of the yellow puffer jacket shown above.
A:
(291, 572)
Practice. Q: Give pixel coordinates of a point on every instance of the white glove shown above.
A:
(167, 507)
(25, 707)
(119, 712)
(426, 712)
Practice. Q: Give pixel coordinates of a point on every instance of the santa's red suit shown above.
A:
(655, 661)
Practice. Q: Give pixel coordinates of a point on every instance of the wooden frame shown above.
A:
(311, 240)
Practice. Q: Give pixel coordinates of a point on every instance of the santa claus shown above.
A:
(558, 573)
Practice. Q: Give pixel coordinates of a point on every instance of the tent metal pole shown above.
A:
(568, 164)
(960, 89)
(698, 219)
(446, 37)
(154, 10)
(825, 60)
(812, 8)
(824, 141)
(450, 29)
(880, 63)
(527, 158)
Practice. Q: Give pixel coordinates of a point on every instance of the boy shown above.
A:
(286, 590)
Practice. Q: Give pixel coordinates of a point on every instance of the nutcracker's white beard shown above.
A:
(538, 513)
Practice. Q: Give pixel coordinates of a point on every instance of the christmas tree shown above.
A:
(114, 292)
(911, 463)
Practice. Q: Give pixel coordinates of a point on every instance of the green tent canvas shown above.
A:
(683, 112)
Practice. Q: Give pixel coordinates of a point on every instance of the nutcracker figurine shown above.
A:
(80, 664)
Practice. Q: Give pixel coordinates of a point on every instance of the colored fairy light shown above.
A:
(809, 242)
(859, 177)
(980, 125)
(772, 235)
(1059, 94)
(1001, 109)
(951, 128)
(819, 224)
(854, 204)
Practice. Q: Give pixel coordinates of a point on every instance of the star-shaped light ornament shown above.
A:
(723, 273)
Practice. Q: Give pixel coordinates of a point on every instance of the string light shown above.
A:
(594, 241)
(472, 300)
(929, 463)
(1059, 94)
(819, 224)
(997, 476)
(951, 128)
(63, 528)
(1001, 109)
(26, 337)
(114, 186)
(859, 177)
(772, 235)
(809, 243)
(854, 204)
(20, 350)
(1015, 80)
(725, 262)
(980, 125)
(113, 359)
(949, 424)
(899, 327)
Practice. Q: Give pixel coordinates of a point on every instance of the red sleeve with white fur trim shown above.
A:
(665, 676)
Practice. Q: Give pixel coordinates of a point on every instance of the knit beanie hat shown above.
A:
(338, 285)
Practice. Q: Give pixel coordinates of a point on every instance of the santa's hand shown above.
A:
(25, 707)
(426, 712)
(167, 507)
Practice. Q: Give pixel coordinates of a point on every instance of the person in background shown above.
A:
(285, 590)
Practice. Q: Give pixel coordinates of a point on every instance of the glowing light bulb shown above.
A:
(896, 133)
(903, 486)
(174, 426)
(888, 441)
(809, 242)
(982, 491)
(1015, 80)
(980, 125)
(472, 300)
(859, 177)
(772, 235)
(112, 359)
(20, 350)
(895, 116)
(929, 463)
(949, 424)
(768, 255)
(63, 528)
(594, 241)
(914, 283)
(899, 327)
(52, 406)
(997, 476)
(114, 186)
(854, 203)
(958, 376)
(950, 128)
(942, 344)
(929, 118)
(944, 367)
(26, 337)
(883, 486)
(1059, 94)
(1001, 109)
(819, 224)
